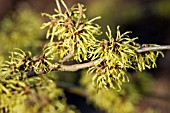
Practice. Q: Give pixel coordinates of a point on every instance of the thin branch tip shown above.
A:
(155, 48)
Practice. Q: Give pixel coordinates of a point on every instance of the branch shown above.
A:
(76, 67)
(156, 48)
(71, 88)
(73, 67)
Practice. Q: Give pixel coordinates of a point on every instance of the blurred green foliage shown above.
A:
(161, 8)
(125, 12)
(119, 102)
(20, 30)
(36, 95)
(114, 12)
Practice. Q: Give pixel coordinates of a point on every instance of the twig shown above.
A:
(156, 48)
(72, 88)
(69, 55)
(58, 6)
(73, 67)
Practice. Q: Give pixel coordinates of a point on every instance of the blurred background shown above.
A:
(149, 20)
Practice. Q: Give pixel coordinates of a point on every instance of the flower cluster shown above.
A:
(32, 96)
(73, 31)
(21, 62)
(117, 55)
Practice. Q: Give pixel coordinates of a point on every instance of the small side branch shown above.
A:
(70, 55)
(156, 48)
(72, 88)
